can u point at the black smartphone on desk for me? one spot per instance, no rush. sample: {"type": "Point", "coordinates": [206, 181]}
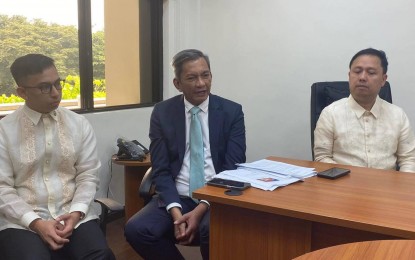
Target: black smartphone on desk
{"type": "Point", "coordinates": [333, 173]}
{"type": "Point", "coordinates": [229, 184]}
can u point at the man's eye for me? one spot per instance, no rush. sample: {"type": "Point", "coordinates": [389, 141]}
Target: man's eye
{"type": "Point", "coordinates": [45, 87]}
{"type": "Point", "coordinates": [58, 84]}
{"type": "Point", "coordinates": [206, 75]}
{"type": "Point", "coordinates": [191, 78]}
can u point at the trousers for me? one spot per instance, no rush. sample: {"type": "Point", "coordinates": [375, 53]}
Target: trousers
{"type": "Point", "coordinates": [87, 242]}
{"type": "Point", "coordinates": [151, 232]}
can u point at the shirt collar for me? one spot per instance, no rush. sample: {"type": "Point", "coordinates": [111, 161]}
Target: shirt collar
{"type": "Point", "coordinates": [35, 116]}
{"type": "Point", "coordinates": [360, 111]}
{"type": "Point", "coordinates": [203, 106]}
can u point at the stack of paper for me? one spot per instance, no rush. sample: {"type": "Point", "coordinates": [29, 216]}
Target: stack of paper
{"type": "Point", "coordinates": [267, 175]}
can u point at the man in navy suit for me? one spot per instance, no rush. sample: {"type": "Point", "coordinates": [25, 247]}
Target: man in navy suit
{"type": "Point", "coordinates": [172, 216]}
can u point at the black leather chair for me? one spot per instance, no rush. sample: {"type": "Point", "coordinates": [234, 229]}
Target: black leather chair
{"type": "Point", "coordinates": [325, 93]}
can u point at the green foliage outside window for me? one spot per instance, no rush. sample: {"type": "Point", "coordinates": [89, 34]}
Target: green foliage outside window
{"type": "Point", "coordinates": [18, 37]}
{"type": "Point", "coordinates": [70, 90]}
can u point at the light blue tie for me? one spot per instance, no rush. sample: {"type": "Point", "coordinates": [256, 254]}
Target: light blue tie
{"type": "Point", "coordinates": [197, 159]}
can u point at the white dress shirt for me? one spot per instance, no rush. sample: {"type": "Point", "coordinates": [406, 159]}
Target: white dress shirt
{"type": "Point", "coordinates": [49, 166]}
{"type": "Point", "coordinates": [380, 138]}
{"type": "Point", "coordinates": [182, 180]}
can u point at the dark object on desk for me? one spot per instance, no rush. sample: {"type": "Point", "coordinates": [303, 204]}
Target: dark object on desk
{"type": "Point", "coordinates": [233, 185]}
{"type": "Point", "coordinates": [131, 150]}
{"type": "Point", "coordinates": [233, 192]}
{"type": "Point", "coordinates": [333, 173]}
{"type": "Point", "coordinates": [325, 93]}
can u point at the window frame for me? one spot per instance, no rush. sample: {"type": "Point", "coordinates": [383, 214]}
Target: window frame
{"type": "Point", "coordinates": [151, 36]}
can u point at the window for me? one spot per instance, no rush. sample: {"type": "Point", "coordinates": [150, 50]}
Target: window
{"type": "Point", "coordinates": [108, 52]}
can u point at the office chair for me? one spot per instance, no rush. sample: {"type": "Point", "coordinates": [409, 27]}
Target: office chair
{"type": "Point", "coordinates": [146, 189]}
{"type": "Point", "coordinates": [325, 93]}
{"type": "Point", "coordinates": [110, 210]}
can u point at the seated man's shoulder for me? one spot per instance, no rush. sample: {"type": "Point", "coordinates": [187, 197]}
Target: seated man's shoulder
{"type": "Point", "coordinates": [66, 111]}
{"type": "Point", "coordinates": [223, 101]}
{"type": "Point", "coordinates": [69, 114]}
{"type": "Point", "coordinates": [337, 104]}
{"type": "Point", "coordinates": [173, 101]}
{"type": "Point", "coordinates": [392, 108]}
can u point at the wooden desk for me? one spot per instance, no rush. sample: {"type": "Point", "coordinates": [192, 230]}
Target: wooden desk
{"type": "Point", "coordinates": [368, 250]}
{"type": "Point", "coordinates": [368, 204]}
{"type": "Point", "coordinates": [133, 174]}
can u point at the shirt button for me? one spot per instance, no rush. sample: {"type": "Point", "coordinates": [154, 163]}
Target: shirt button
{"type": "Point", "coordinates": [47, 161]}
{"type": "Point", "coordinates": [48, 143]}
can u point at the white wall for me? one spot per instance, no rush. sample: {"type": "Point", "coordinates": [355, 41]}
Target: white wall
{"type": "Point", "coordinates": [265, 54]}
{"type": "Point", "coordinates": [108, 126]}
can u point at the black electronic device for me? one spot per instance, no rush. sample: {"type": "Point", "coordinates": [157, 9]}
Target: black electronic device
{"type": "Point", "coordinates": [229, 184]}
{"type": "Point", "coordinates": [131, 150]}
{"type": "Point", "coordinates": [333, 173]}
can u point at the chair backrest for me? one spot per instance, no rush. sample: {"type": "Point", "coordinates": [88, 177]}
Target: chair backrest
{"type": "Point", "coordinates": [146, 189]}
{"type": "Point", "coordinates": [325, 93]}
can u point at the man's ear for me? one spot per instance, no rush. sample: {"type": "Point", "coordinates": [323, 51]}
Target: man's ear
{"type": "Point", "coordinates": [21, 92]}
{"type": "Point", "coordinates": [385, 77]}
{"type": "Point", "coordinates": [176, 83]}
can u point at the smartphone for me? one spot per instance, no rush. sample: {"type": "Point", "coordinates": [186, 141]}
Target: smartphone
{"type": "Point", "coordinates": [333, 173]}
{"type": "Point", "coordinates": [229, 184]}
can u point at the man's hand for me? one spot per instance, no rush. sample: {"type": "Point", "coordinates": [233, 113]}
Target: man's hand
{"type": "Point", "coordinates": [186, 226]}
{"type": "Point", "coordinates": [47, 230]}
{"type": "Point", "coordinates": [69, 222]}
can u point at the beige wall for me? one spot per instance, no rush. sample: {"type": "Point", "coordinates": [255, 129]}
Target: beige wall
{"type": "Point", "coordinates": [122, 52]}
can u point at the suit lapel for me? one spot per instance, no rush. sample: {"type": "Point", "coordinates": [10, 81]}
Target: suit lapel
{"type": "Point", "coordinates": [180, 127]}
{"type": "Point", "coordinates": [215, 126]}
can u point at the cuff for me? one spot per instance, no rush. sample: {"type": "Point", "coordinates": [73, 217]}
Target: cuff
{"type": "Point", "coordinates": [83, 208]}
{"type": "Point", "coordinates": [29, 218]}
{"type": "Point", "coordinates": [172, 205]}
{"type": "Point", "coordinates": [205, 202]}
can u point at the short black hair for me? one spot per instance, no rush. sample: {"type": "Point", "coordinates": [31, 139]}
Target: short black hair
{"type": "Point", "coordinates": [30, 64]}
{"type": "Point", "coordinates": [186, 55]}
{"type": "Point", "coordinates": [370, 51]}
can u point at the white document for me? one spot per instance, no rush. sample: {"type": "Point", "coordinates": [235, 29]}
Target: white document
{"type": "Point", "coordinates": [280, 168]}
{"type": "Point", "coordinates": [267, 175]}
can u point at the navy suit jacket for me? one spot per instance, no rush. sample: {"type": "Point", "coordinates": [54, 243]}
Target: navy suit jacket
{"type": "Point", "coordinates": [168, 140]}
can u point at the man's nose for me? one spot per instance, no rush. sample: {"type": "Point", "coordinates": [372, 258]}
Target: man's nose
{"type": "Point", "coordinates": [363, 76]}
{"type": "Point", "coordinates": [199, 81]}
{"type": "Point", "coordinates": [54, 92]}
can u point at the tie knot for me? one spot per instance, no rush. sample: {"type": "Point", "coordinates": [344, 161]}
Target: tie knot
{"type": "Point", "coordinates": [195, 110]}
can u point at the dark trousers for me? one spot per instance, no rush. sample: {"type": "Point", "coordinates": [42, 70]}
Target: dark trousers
{"type": "Point", "coordinates": [86, 242]}
{"type": "Point", "coordinates": [151, 232]}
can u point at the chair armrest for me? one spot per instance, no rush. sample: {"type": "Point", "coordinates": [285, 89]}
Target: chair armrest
{"type": "Point", "coordinates": [146, 189]}
{"type": "Point", "coordinates": [109, 204]}
{"type": "Point", "coordinates": [110, 211]}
